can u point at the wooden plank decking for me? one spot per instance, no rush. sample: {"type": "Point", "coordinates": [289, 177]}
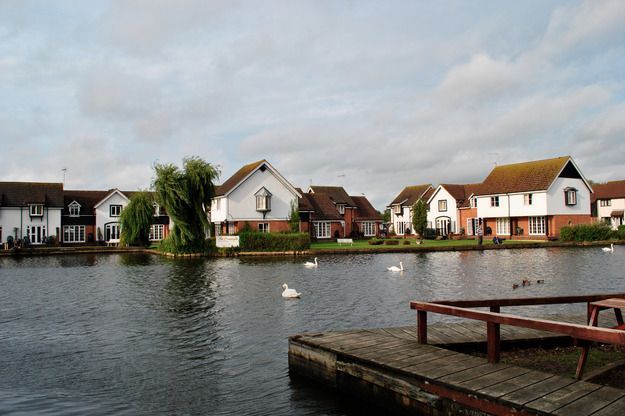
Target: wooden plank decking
{"type": "Point", "coordinates": [389, 367]}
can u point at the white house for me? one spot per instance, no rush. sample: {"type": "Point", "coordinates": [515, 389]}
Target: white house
{"type": "Point", "coordinates": [107, 213]}
{"type": "Point", "coordinates": [444, 208]}
{"type": "Point", "coordinates": [608, 202]}
{"type": "Point", "coordinates": [534, 199]}
{"type": "Point", "coordinates": [401, 207]}
{"type": "Point", "coordinates": [257, 195]}
{"type": "Point", "coordinates": [30, 210]}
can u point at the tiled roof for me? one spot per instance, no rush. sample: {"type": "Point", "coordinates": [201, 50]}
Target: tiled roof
{"type": "Point", "coordinates": [304, 203]}
{"type": "Point", "coordinates": [20, 194]}
{"type": "Point", "coordinates": [364, 210]}
{"type": "Point", "coordinates": [469, 190]}
{"type": "Point", "coordinates": [86, 199]}
{"type": "Point", "coordinates": [608, 190]}
{"type": "Point", "coordinates": [336, 193]}
{"type": "Point", "coordinates": [411, 194]}
{"type": "Point", "coordinates": [235, 179]}
{"type": "Point", "coordinates": [461, 193]}
{"type": "Point", "coordinates": [323, 207]}
{"type": "Point", "coordinates": [528, 176]}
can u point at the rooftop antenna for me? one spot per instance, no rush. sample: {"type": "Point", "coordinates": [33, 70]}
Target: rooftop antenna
{"type": "Point", "coordinates": [496, 155]}
{"type": "Point", "coordinates": [341, 176]}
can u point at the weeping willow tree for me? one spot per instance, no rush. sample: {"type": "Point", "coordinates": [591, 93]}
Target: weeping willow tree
{"type": "Point", "coordinates": [136, 219]}
{"type": "Point", "coordinates": [186, 194]}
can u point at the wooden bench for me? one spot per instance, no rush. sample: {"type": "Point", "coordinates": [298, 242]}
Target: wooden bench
{"type": "Point", "coordinates": [113, 242]}
{"type": "Point", "coordinates": [345, 241]}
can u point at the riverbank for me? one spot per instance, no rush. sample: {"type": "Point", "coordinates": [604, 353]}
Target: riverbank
{"type": "Point", "coordinates": [433, 246]}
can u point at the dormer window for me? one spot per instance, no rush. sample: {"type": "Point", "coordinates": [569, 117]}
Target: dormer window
{"type": "Point", "coordinates": [263, 200]}
{"type": "Point", "coordinates": [397, 209]}
{"type": "Point", "coordinates": [36, 210]}
{"type": "Point", "coordinates": [473, 202]}
{"type": "Point", "coordinates": [341, 209]}
{"type": "Point", "coordinates": [570, 196]}
{"type": "Point", "coordinates": [74, 209]}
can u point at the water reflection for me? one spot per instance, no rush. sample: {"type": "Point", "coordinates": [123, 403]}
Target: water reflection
{"type": "Point", "coordinates": [140, 333]}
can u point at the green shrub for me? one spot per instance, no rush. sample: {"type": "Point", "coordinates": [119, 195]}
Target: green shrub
{"type": "Point", "coordinates": [376, 241]}
{"type": "Point", "coordinates": [207, 246]}
{"type": "Point", "coordinates": [584, 232]}
{"type": "Point", "coordinates": [259, 241]}
{"type": "Point", "coordinates": [620, 233]}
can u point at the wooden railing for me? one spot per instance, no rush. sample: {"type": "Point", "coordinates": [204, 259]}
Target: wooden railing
{"type": "Point", "coordinates": [494, 319]}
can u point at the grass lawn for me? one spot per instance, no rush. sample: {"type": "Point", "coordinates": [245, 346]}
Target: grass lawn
{"type": "Point", "coordinates": [359, 244]}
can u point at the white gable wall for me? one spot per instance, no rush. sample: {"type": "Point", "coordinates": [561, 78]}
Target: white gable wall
{"type": "Point", "coordinates": [241, 205]}
{"type": "Point", "coordinates": [556, 202]}
{"type": "Point", "coordinates": [102, 210]}
{"type": "Point", "coordinates": [451, 212]}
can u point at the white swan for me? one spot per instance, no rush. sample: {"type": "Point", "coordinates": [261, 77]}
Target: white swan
{"type": "Point", "coordinates": [397, 269]}
{"type": "Point", "coordinates": [310, 264]}
{"type": "Point", "coordinates": [611, 248]}
{"type": "Point", "coordinates": [289, 293]}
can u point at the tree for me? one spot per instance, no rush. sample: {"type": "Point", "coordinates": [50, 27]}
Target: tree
{"type": "Point", "coordinates": [386, 216]}
{"type": "Point", "coordinates": [294, 218]}
{"type": "Point", "coordinates": [419, 217]}
{"type": "Point", "coordinates": [186, 195]}
{"type": "Point", "coordinates": [136, 219]}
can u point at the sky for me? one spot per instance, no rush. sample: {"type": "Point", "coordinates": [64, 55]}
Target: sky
{"type": "Point", "coordinates": [373, 96]}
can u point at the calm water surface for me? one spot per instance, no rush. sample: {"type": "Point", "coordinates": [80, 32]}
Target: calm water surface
{"type": "Point", "coordinates": [140, 334]}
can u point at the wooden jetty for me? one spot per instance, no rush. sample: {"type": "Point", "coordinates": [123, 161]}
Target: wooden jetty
{"type": "Point", "coordinates": [389, 367]}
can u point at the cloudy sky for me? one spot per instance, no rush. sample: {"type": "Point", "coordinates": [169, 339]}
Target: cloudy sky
{"type": "Point", "coordinates": [371, 95]}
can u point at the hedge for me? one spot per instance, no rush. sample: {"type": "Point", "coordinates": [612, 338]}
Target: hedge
{"type": "Point", "coordinates": [585, 232]}
{"type": "Point", "coordinates": [259, 241]}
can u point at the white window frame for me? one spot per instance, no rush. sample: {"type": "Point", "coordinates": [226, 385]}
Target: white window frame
{"type": "Point", "coordinates": [537, 225]}
{"type": "Point", "coordinates": [368, 228]}
{"type": "Point", "coordinates": [341, 208]}
{"type": "Point", "coordinates": [157, 232]}
{"type": "Point", "coordinates": [473, 202]}
{"type": "Point", "coordinates": [570, 195]}
{"type": "Point", "coordinates": [323, 229]}
{"type": "Point", "coordinates": [115, 231]}
{"type": "Point", "coordinates": [503, 226]}
{"type": "Point", "coordinates": [115, 210]}
{"type": "Point", "coordinates": [528, 199]}
{"type": "Point", "coordinates": [36, 210]}
{"type": "Point", "coordinates": [263, 227]}
{"type": "Point", "coordinates": [74, 209]}
{"type": "Point", "coordinates": [73, 233]}
{"type": "Point", "coordinates": [36, 233]}
{"type": "Point", "coordinates": [605, 202]}
{"type": "Point", "coordinates": [494, 201]}
{"type": "Point", "coordinates": [442, 205]}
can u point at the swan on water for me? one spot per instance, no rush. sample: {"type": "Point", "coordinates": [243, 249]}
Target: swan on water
{"type": "Point", "coordinates": [397, 269]}
{"type": "Point", "coordinates": [289, 293]}
{"type": "Point", "coordinates": [310, 264]}
{"type": "Point", "coordinates": [611, 248]}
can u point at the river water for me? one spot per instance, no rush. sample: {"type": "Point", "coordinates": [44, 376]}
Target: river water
{"type": "Point", "coordinates": [142, 334]}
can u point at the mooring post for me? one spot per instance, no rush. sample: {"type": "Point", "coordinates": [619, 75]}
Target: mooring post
{"type": "Point", "coordinates": [422, 327]}
{"type": "Point", "coordinates": [493, 338]}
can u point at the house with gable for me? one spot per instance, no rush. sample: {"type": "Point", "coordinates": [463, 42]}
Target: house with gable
{"type": "Point", "coordinates": [533, 200]}
{"type": "Point", "coordinates": [92, 216]}
{"type": "Point", "coordinates": [319, 216]}
{"type": "Point", "coordinates": [257, 194]}
{"type": "Point", "coordinates": [357, 216]}
{"type": "Point", "coordinates": [445, 203]}
{"type": "Point", "coordinates": [467, 210]}
{"type": "Point", "coordinates": [401, 207]}
{"type": "Point", "coordinates": [30, 210]}
{"type": "Point", "coordinates": [608, 203]}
